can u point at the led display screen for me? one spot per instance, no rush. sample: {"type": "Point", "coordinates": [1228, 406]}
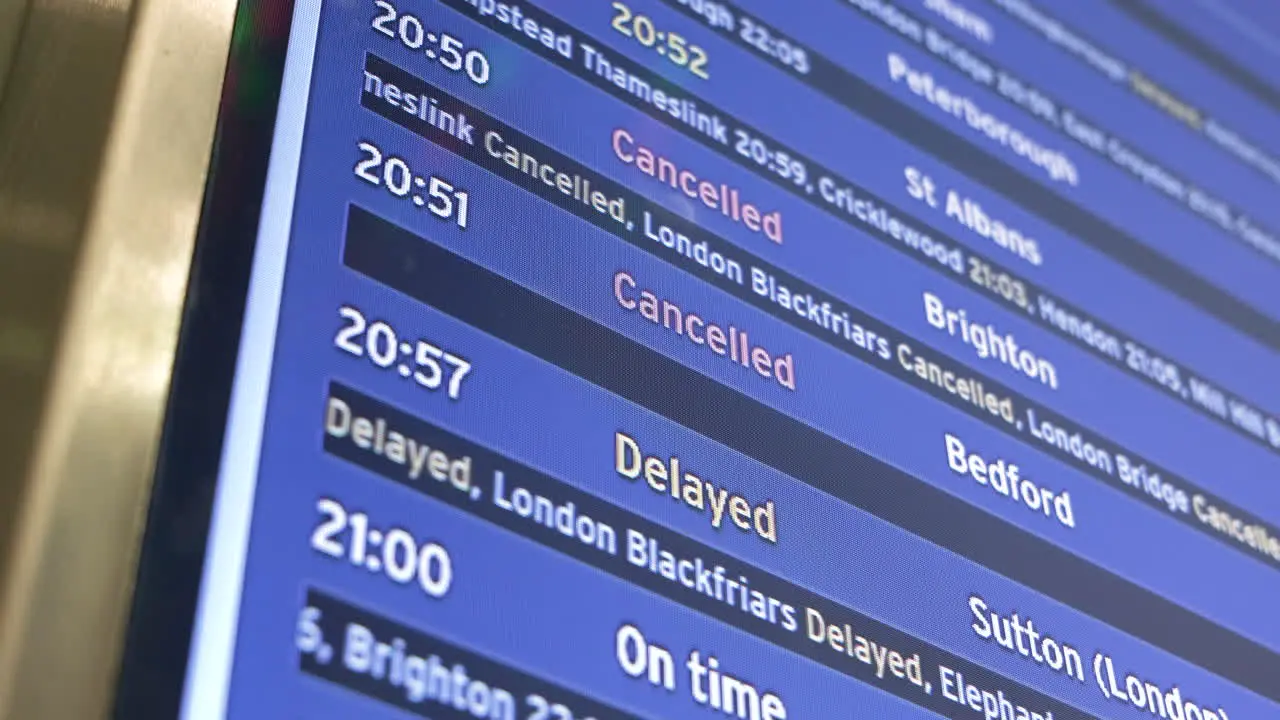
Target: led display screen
{"type": "Point", "coordinates": [759, 360]}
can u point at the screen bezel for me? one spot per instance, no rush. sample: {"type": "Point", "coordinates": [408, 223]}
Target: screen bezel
{"type": "Point", "coordinates": [160, 630]}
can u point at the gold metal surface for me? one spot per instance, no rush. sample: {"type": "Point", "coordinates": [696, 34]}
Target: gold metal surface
{"type": "Point", "coordinates": [12, 13]}
{"type": "Point", "coordinates": [106, 121]}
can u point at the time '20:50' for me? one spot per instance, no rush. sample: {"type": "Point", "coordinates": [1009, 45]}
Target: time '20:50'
{"type": "Point", "coordinates": [442, 47]}
{"type": "Point", "coordinates": [393, 173]}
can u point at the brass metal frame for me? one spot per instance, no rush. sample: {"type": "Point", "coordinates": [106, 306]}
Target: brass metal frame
{"type": "Point", "coordinates": [12, 13]}
{"type": "Point", "coordinates": [106, 124]}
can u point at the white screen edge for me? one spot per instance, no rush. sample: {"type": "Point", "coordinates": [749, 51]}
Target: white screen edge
{"type": "Point", "coordinates": [213, 635]}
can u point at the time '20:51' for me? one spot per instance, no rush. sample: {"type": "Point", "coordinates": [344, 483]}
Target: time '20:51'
{"type": "Point", "coordinates": [424, 191]}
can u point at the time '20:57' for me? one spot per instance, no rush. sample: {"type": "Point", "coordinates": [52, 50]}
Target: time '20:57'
{"type": "Point", "coordinates": [400, 179]}
{"type": "Point", "coordinates": [423, 361]}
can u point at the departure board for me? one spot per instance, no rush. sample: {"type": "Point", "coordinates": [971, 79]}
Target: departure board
{"type": "Point", "coordinates": [758, 360]}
